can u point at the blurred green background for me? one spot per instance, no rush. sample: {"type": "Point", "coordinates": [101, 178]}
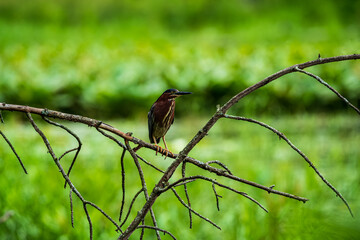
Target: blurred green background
{"type": "Point", "coordinates": [113, 58]}
{"type": "Point", "coordinates": [110, 60]}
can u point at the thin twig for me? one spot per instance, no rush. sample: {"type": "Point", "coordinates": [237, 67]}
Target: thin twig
{"type": "Point", "coordinates": [217, 196]}
{"type": "Point", "coordinates": [150, 164]}
{"type": "Point", "coordinates": [42, 135]}
{"type": "Point", "coordinates": [103, 213]}
{"type": "Point", "coordinates": [221, 164]}
{"type": "Point", "coordinates": [281, 135]}
{"type": "Point", "coordinates": [89, 220]}
{"type": "Point", "coordinates": [217, 183]}
{"type": "Point", "coordinates": [71, 208]}
{"type": "Point", "coordinates": [184, 183]}
{"type": "Point", "coordinates": [122, 183]}
{"type": "Point", "coordinates": [130, 207]}
{"type": "Point", "coordinates": [13, 149]}
{"type": "Point", "coordinates": [142, 230]}
{"type": "Point", "coordinates": [158, 229]}
{"type": "Point", "coordinates": [193, 211]}
{"type": "Point", "coordinates": [186, 192]}
{"type": "Point", "coordinates": [111, 137]}
{"type": "Point", "coordinates": [1, 117]}
{"type": "Point", "coordinates": [67, 152]}
{"type": "Point", "coordinates": [72, 134]}
{"type": "Point", "coordinates": [329, 87]}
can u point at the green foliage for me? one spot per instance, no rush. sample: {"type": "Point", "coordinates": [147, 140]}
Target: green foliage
{"type": "Point", "coordinates": [42, 210]}
{"type": "Point", "coordinates": [114, 58]}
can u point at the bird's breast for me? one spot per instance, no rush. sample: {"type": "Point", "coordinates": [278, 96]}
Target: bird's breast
{"type": "Point", "coordinates": [164, 112]}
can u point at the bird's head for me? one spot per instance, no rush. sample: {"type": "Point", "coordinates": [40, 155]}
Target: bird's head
{"type": "Point", "coordinates": [173, 93]}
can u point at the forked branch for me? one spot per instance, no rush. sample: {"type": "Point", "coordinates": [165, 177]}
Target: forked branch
{"type": "Point", "coordinates": [282, 136]}
{"type": "Point", "coordinates": [13, 149]}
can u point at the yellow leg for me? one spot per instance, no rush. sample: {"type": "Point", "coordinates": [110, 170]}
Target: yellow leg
{"type": "Point", "coordinates": [166, 149]}
{"type": "Point", "coordinates": [163, 138]}
{"type": "Point", "coordinates": [158, 148]}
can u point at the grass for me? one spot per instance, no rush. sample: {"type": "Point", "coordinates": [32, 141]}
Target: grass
{"type": "Point", "coordinates": [41, 205]}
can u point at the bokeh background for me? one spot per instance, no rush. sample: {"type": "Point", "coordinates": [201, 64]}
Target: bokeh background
{"type": "Point", "coordinates": [110, 60]}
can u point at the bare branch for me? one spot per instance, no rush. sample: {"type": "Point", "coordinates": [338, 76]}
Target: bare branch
{"type": "Point", "coordinates": [71, 208]}
{"type": "Point", "coordinates": [184, 183]}
{"type": "Point", "coordinates": [42, 135]}
{"type": "Point", "coordinates": [283, 72]}
{"type": "Point", "coordinates": [143, 183]}
{"type": "Point", "coordinates": [46, 141]}
{"type": "Point", "coordinates": [158, 229]}
{"type": "Point", "coordinates": [183, 169]}
{"type": "Point", "coordinates": [48, 146]}
{"type": "Point", "coordinates": [13, 149]}
{"type": "Point", "coordinates": [214, 182]}
{"type": "Point", "coordinates": [103, 213]}
{"type": "Point", "coordinates": [196, 213]}
{"type": "Point", "coordinates": [217, 196]}
{"type": "Point", "coordinates": [135, 157]}
{"type": "Point", "coordinates": [150, 164]}
{"type": "Point", "coordinates": [142, 230]}
{"type": "Point", "coordinates": [221, 164]}
{"type": "Point", "coordinates": [329, 87]}
{"type": "Point", "coordinates": [77, 148]}
{"type": "Point", "coordinates": [67, 152]}
{"type": "Point", "coordinates": [224, 173]}
{"type": "Point", "coordinates": [89, 220]}
{"type": "Point", "coordinates": [123, 146]}
{"type": "Point", "coordinates": [130, 207]}
{"type": "Point", "coordinates": [112, 138]}
{"type": "Point", "coordinates": [122, 183]}
{"type": "Point", "coordinates": [281, 135]}
{"type": "Point", "coordinates": [1, 117]}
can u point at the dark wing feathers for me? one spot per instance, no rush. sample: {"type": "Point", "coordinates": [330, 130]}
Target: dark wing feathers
{"type": "Point", "coordinates": [151, 123]}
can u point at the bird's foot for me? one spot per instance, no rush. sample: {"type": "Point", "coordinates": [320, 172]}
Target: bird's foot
{"type": "Point", "coordinates": [166, 152]}
{"type": "Point", "coordinates": [163, 151]}
{"type": "Point", "coordinates": [158, 149]}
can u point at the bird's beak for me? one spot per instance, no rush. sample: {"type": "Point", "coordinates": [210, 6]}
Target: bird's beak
{"type": "Point", "coordinates": [176, 94]}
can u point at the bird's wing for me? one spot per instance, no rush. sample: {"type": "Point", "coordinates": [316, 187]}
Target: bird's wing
{"type": "Point", "coordinates": [172, 113]}
{"type": "Point", "coordinates": [172, 121]}
{"type": "Point", "coordinates": [151, 123]}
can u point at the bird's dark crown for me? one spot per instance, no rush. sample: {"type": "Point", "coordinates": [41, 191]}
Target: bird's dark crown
{"type": "Point", "coordinates": [171, 90]}
{"type": "Point", "coordinates": [172, 93]}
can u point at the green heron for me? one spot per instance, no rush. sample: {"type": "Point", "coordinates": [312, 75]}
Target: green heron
{"type": "Point", "coordinates": [161, 116]}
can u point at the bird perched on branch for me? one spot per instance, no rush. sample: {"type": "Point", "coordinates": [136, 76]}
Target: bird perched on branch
{"type": "Point", "coordinates": [161, 117]}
